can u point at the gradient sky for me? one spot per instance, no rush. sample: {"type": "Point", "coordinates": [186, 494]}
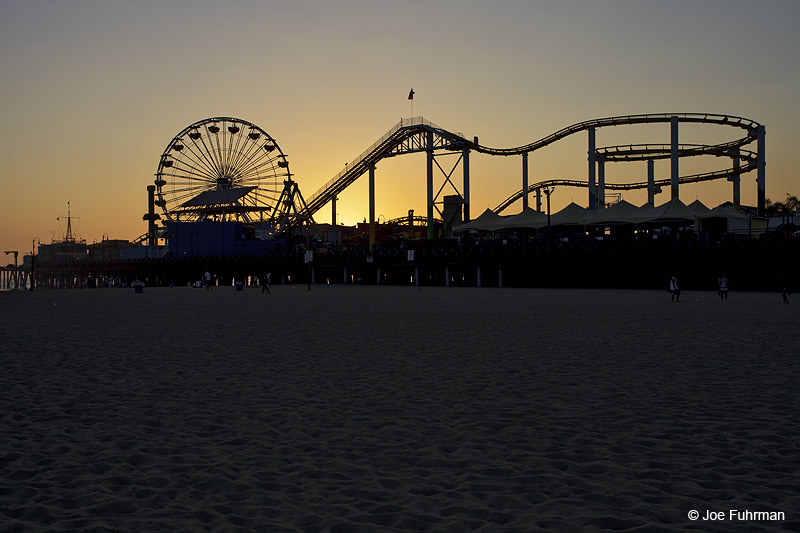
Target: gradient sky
{"type": "Point", "coordinates": [93, 91]}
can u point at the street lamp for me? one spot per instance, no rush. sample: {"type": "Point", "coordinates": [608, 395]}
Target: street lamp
{"type": "Point", "coordinates": [548, 191]}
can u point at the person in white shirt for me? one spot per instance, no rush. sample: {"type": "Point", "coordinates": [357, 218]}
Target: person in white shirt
{"type": "Point", "coordinates": [674, 290]}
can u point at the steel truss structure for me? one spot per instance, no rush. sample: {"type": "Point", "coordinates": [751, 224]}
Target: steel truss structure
{"type": "Point", "coordinates": [417, 135]}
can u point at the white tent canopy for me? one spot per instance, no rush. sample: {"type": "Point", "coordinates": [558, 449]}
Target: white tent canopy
{"type": "Point", "coordinates": [674, 210]}
{"type": "Point", "coordinates": [620, 213]}
{"type": "Point", "coordinates": [488, 221]}
{"type": "Point", "coordinates": [528, 218]}
{"type": "Point", "coordinates": [699, 207]}
{"type": "Point", "coordinates": [572, 214]}
{"type": "Point", "coordinates": [725, 211]}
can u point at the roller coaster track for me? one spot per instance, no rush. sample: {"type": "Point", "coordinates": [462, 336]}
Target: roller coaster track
{"type": "Point", "coordinates": [641, 152]}
{"type": "Point", "coordinates": [694, 178]}
{"type": "Point", "coordinates": [408, 136]}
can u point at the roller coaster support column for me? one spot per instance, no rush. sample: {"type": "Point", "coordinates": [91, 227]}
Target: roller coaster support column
{"type": "Point", "coordinates": [430, 185]}
{"type": "Point", "coordinates": [333, 221]}
{"type": "Point", "coordinates": [371, 207]}
{"type": "Point", "coordinates": [651, 182]}
{"type": "Point", "coordinates": [539, 200]}
{"type": "Point", "coordinates": [736, 179]}
{"type": "Point", "coordinates": [761, 178]}
{"type": "Point", "coordinates": [673, 153]}
{"type": "Point", "coordinates": [601, 184]}
{"type": "Point", "coordinates": [592, 191]}
{"type": "Point", "coordinates": [524, 180]}
{"type": "Point", "coordinates": [465, 163]}
{"type": "Point", "coordinates": [548, 191]}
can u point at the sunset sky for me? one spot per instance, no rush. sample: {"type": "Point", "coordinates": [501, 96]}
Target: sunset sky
{"type": "Point", "coordinates": [93, 91]}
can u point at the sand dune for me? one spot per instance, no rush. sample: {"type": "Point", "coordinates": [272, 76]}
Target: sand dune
{"type": "Point", "coordinates": [393, 409]}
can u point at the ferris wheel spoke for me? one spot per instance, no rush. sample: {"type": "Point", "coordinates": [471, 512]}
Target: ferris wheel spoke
{"type": "Point", "coordinates": [256, 159]}
{"type": "Point", "coordinates": [265, 171]}
{"type": "Point", "coordinates": [190, 174]}
{"type": "Point", "coordinates": [200, 172]}
{"type": "Point", "coordinates": [186, 174]}
{"type": "Point", "coordinates": [219, 152]}
{"type": "Point", "coordinates": [260, 163]}
{"type": "Point", "coordinates": [262, 174]}
{"type": "Point", "coordinates": [214, 140]}
{"type": "Point", "coordinates": [191, 186]}
{"type": "Point", "coordinates": [224, 152]}
{"type": "Point", "coordinates": [232, 151]}
{"type": "Point", "coordinates": [210, 155]}
{"type": "Point", "coordinates": [243, 146]}
{"type": "Point", "coordinates": [189, 192]}
{"type": "Point", "coordinates": [255, 184]}
{"type": "Point", "coordinates": [263, 159]}
{"type": "Point", "coordinates": [192, 191]}
{"type": "Point", "coordinates": [178, 200]}
{"type": "Point", "coordinates": [193, 183]}
{"type": "Point", "coordinates": [244, 155]}
{"type": "Point", "coordinates": [187, 187]}
{"type": "Point", "coordinates": [258, 177]}
{"type": "Point", "coordinates": [200, 160]}
{"type": "Point", "coordinates": [263, 197]}
{"type": "Point", "coordinates": [202, 152]}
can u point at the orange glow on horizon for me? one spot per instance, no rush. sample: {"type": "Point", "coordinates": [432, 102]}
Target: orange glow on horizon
{"type": "Point", "coordinates": [93, 95]}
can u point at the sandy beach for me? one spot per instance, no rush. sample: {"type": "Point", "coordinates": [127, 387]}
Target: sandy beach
{"type": "Point", "coordinates": [353, 408]}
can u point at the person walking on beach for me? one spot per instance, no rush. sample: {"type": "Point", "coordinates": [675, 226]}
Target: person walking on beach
{"type": "Point", "coordinates": [207, 280]}
{"type": "Point", "coordinates": [722, 287]}
{"type": "Point", "coordinates": [265, 283]}
{"type": "Point", "coordinates": [784, 290]}
{"type": "Point", "coordinates": [674, 290]}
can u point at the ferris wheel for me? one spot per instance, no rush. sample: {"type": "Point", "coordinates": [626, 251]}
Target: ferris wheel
{"type": "Point", "coordinates": [220, 167]}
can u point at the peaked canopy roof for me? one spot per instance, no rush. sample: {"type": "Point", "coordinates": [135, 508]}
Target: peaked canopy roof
{"type": "Point", "coordinates": [488, 221]}
{"type": "Point", "coordinates": [528, 218]}
{"type": "Point", "coordinates": [673, 210]}
{"type": "Point", "coordinates": [571, 214]}
{"type": "Point", "coordinates": [620, 213]}
{"type": "Point", "coordinates": [725, 211]}
{"type": "Point", "coordinates": [218, 197]}
{"type": "Point", "coordinates": [699, 207]}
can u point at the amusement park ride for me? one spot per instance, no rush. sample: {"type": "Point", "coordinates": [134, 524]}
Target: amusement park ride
{"type": "Point", "coordinates": [225, 169]}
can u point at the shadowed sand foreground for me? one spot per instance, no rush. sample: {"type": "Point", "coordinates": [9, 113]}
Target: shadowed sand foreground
{"type": "Point", "coordinates": [393, 409]}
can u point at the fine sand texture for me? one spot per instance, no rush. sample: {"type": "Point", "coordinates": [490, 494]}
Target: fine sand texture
{"type": "Point", "coordinates": [352, 408]}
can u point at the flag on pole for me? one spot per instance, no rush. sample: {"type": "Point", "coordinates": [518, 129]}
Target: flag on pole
{"type": "Point", "coordinates": [411, 94]}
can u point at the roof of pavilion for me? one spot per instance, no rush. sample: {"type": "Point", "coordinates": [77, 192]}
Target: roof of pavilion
{"type": "Point", "coordinates": [621, 212]}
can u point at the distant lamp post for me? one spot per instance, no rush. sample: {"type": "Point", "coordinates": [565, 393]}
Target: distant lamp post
{"type": "Point", "coordinates": [33, 261]}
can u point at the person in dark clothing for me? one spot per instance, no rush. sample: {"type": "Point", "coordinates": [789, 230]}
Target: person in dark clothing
{"type": "Point", "coordinates": [265, 282]}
